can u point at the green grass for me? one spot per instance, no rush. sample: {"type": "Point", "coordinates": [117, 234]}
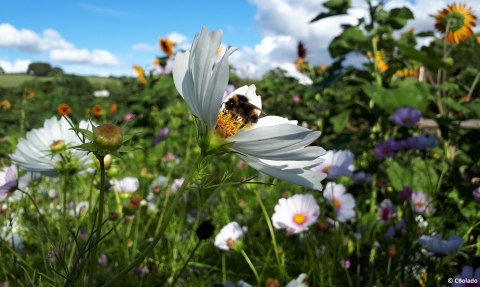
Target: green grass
{"type": "Point", "coordinates": [15, 80]}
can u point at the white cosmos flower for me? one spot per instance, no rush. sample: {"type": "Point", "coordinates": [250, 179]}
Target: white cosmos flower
{"type": "Point", "coordinates": [344, 203]}
{"type": "Point", "coordinates": [337, 163]}
{"type": "Point", "coordinates": [299, 282]}
{"type": "Point", "coordinates": [35, 154]}
{"type": "Point", "coordinates": [296, 213]}
{"type": "Point", "coordinates": [274, 145]}
{"type": "Point", "coordinates": [101, 93]}
{"type": "Point", "coordinates": [229, 236]}
{"type": "Point", "coordinates": [126, 185]}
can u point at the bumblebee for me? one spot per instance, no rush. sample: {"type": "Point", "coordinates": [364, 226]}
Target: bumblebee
{"type": "Point", "coordinates": [238, 113]}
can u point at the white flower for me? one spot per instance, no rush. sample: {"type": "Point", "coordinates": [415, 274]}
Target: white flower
{"type": "Point", "coordinates": [273, 145]}
{"type": "Point", "coordinates": [35, 152]}
{"type": "Point", "coordinates": [437, 245]}
{"type": "Point", "coordinates": [337, 163]}
{"type": "Point", "coordinates": [344, 203]}
{"type": "Point", "coordinates": [28, 179]}
{"type": "Point", "coordinates": [229, 236]}
{"type": "Point", "coordinates": [101, 93]}
{"type": "Point", "coordinates": [80, 209]}
{"type": "Point", "coordinates": [8, 181]}
{"type": "Point", "coordinates": [126, 185]}
{"type": "Point", "coordinates": [11, 232]}
{"type": "Point", "coordinates": [296, 213]}
{"type": "Point", "coordinates": [299, 282]}
{"type": "Point", "coordinates": [240, 283]}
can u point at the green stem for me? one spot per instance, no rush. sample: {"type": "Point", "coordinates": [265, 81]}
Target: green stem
{"type": "Point", "coordinates": [36, 207]}
{"type": "Point", "coordinates": [101, 199]}
{"type": "Point", "coordinates": [224, 269]}
{"type": "Point", "coordinates": [378, 78]}
{"type": "Point", "coordinates": [251, 266]}
{"type": "Point", "coordinates": [186, 263]}
{"type": "Point", "coordinates": [281, 268]}
{"type": "Point", "coordinates": [159, 235]}
{"type": "Point", "coordinates": [472, 87]}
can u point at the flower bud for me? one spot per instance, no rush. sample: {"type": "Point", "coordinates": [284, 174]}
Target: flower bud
{"type": "Point", "coordinates": [57, 146]}
{"type": "Point", "coordinates": [107, 137]}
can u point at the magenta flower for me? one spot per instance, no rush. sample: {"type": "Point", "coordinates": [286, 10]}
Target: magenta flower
{"type": "Point", "coordinates": [296, 99]}
{"type": "Point", "coordinates": [422, 202]}
{"type": "Point", "coordinates": [345, 264]}
{"type": "Point", "coordinates": [467, 278]}
{"type": "Point", "coordinates": [386, 211]}
{"type": "Point", "coordinates": [162, 134]}
{"type": "Point", "coordinates": [8, 181]}
{"type": "Point", "coordinates": [406, 117]}
{"type": "Point", "coordinates": [128, 117]}
{"type": "Point", "coordinates": [386, 149]}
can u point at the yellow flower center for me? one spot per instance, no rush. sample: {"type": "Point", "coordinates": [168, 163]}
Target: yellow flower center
{"type": "Point", "coordinates": [336, 203]}
{"type": "Point", "coordinates": [327, 169]}
{"type": "Point", "coordinates": [299, 218]}
{"type": "Point", "coordinates": [230, 243]}
{"type": "Point", "coordinates": [419, 204]}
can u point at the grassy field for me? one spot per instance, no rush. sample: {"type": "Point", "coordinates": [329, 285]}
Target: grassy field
{"type": "Point", "coordinates": [13, 80]}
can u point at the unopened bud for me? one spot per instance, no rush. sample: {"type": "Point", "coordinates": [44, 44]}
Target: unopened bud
{"type": "Point", "coordinates": [57, 146]}
{"type": "Point", "coordinates": [107, 137]}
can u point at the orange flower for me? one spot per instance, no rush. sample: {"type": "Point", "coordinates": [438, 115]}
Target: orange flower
{"type": "Point", "coordinates": [64, 109]}
{"type": "Point", "coordinates": [97, 110]}
{"type": "Point", "coordinates": [459, 19]}
{"type": "Point", "coordinates": [413, 73]}
{"type": "Point", "coordinates": [29, 92]}
{"type": "Point", "coordinates": [322, 68]}
{"type": "Point", "coordinates": [141, 75]}
{"type": "Point", "coordinates": [113, 110]}
{"type": "Point", "coordinates": [410, 31]}
{"type": "Point", "coordinates": [478, 40]}
{"type": "Point", "coordinates": [5, 105]}
{"type": "Point", "coordinates": [298, 63]}
{"type": "Point", "coordinates": [382, 66]}
{"type": "Point", "coordinates": [167, 46]}
{"type": "Point", "coordinates": [156, 62]}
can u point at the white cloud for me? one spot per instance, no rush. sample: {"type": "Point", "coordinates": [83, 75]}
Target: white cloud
{"type": "Point", "coordinates": [84, 56]}
{"type": "Point", "coordinates": [29, 41]}
{"type": "Point", "coordinates": [19, 66]}
{"type": "Point", "coordinates": [144, 47]}
{"type": "Point", "coordinates": [180, 40]}
{"type": "Point", "coordinates": [59, 49]}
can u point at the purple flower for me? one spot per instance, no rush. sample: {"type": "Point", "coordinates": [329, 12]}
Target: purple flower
{"type": "Point", "coordinates": [426, 141]}
{"type": "Point", "coordinates": [394, 230]}
{"type": "Point", "coordinates": [296, 99]}
{"type": "Point", "coordinates": [386, 149]}
{"type": "Point", "coordinates": [128, 117]}
{"type": "Point", "coordinates": [337, 163]}
{"type": "Point", "coordinates": [140, 271]}
{"type": "Point", "coordinates": [422, 202]}
{"type": "Point", "coordinates": [345, 264]}
{"type": "Point", "coordinates": [406, 193]}
{"type": "Point", "coordinates": [386, 211]}
{"type": "Point", "coordinates": [8, 181]}
{"type": "Point", "coordinates": [102, 260]}
{"type": "Point", "coordinates": [164, 70]}
{"type": "Point", "coordinates": [361, 177]}
{"type": "Point", "coordinates": [476, 194]}
{"type": "Point", "coordinates": [410, 143]}
{"type": "Point", "coordinates": [436, 245]}
{"type": "Point", "coordinates": [162, 134]}
{"type": "Point", "coordinates": [467, 278]}
{"type": "Point", "coordinates": [406, 117]}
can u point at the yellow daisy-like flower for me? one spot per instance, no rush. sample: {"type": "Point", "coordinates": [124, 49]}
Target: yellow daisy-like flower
{"type": "Point", "coordinates": [5, 105]}
{"type": "Point", "coordinates": [298, 63]}
{"type": "Point", "coordinates": [478, 40]}
{"type": "Point", "coordinates": [382, 66]}
{"type": "Point", "coordinates": [167, 46]}
{"type": "Point", "coordinates": [459, 19]}
{"type": "Point", "coordinates": [141, 75]}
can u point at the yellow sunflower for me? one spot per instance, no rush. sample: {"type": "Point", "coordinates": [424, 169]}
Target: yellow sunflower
{"type": "Point", "coordinates": [459, 20]}
{"type": "Point", "coordinates": [5, 105]}
{"type": "Point", "coordinates": [141, 75]}
{"type": "Point", "coordinates": [167, 46]}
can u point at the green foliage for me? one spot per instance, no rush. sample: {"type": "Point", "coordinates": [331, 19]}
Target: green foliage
{"type": "Point", "coordinates": [39, 69]}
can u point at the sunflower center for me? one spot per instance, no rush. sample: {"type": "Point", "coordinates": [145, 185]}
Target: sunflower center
{"type": "Point", "coordinates": [455, 21]}
{"type": "Point", "coordinates": [336, 203]}
{"type": "Point", "coordinates": [299, 218]}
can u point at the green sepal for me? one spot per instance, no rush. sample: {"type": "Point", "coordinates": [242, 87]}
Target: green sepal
{"type": "Point", "coordinates": [128, 149]}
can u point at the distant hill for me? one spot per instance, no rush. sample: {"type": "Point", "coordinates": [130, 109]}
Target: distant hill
{"type": "Point", "coordinates": [14, 80]}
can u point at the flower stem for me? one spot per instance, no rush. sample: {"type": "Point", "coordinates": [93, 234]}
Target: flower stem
{"type": "Point", "coordinates": [101, 199]}
{"type": "Point", "coordinates": [159, 235]}
{"type": "Point", "coordinates": [281, 268]}
{"type": "Point", "coordinates": [224, 269]}
{"type": "Point", "coordinates": [36, 207]}
{"type": "Point", "coordinates": [251, 266]}
{"type": "Point", "coordinates": [186, 263]}
{"type": "Point", "coordinates": [378, 78]}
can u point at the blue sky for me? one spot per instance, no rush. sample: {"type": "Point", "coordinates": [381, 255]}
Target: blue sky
{"type": "Point", "coordinates": [105, 37]}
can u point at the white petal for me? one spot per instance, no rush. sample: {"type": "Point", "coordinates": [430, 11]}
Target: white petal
{"type": "Point", "coordinates": [298, 176]}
